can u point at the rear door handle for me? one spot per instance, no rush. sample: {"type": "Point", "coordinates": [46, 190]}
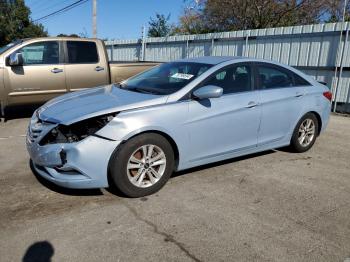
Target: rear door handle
{"type": "Point", "coordinates": [56, 70]}
{"type": "Point", "coordinates": [99, 68]}
{"type": "Point", "coordinates": [252, 104]}
{"type": "Point", "coordinates": [299, 94]}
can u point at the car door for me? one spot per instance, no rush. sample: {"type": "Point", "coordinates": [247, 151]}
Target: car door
{"type": "Point", "coordinates": [85, 66]}
{"type": "Point", "coordinates": [41, 76]}
{"type": "Point", "coordinates": [220, 127]}
{"type": "Point", "coordinates": [281, 102]}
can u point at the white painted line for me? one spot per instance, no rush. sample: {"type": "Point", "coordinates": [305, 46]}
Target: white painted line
{"type": "Point", "coordinates": [9, 137]}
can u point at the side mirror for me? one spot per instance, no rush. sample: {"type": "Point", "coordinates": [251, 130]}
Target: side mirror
{"type": "Point", "coordinates": [16, 59]}
{"type": "Point", "coordinates": [209, 91]}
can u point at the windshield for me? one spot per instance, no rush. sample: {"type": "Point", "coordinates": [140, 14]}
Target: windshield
{"type": "Point", "coordinates": [166, 78]}
{"type": "Point", "coordinates": [8, 46]}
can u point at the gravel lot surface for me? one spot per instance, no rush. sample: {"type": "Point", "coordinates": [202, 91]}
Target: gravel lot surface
{"type": "Point", "coordinates": [273, 206]}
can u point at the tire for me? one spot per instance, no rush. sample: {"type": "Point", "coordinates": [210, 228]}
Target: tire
{"type": "Point", "coordinates": [298, 144]}
{"type": "Point", "coordinates": [136, 176]}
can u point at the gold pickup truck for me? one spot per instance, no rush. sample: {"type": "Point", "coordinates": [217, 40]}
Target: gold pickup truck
{"type": "Point", "coordinates": [35, 70]}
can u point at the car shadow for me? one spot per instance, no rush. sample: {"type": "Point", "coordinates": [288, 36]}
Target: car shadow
{"type": "Point", "coordinates": [113, 190]}
{"type": "Point", "coordinates": [62, 190]}
{"type": "Point", "coordinates": [223, 162]}
{"type": "Point", "coordinates": [17, 112]}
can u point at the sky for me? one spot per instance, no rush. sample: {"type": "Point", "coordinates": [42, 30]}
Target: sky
{"type": "Point", "coordinates": [116, 19]}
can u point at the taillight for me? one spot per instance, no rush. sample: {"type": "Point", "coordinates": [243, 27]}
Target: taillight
{"type": "Point", "coordinates": [328, 95]}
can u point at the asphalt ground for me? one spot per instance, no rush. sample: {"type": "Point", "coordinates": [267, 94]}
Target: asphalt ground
{"type": "Point", "coordinates": [272, 206]}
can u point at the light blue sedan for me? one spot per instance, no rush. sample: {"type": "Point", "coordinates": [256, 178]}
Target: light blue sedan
{"type": "Point", "coordinates": [178, 115]}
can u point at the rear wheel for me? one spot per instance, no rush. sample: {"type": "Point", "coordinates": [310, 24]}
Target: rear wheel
{"type": "Point", "coordinates": [142, 165]}
{"type": "Point", "coordinates": [305, 133]}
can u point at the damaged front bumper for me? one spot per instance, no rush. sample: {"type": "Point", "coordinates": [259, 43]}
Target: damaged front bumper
{"type": "Point", "coordinates": [82, 164]}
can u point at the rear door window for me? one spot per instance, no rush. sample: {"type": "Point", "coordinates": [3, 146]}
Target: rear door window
{"type": "Point", "coordinates": [271, 77]}
{"type": "Point", "coordinates": [82, 52]}
{"type": "Point", "coordinates": [299, 81]}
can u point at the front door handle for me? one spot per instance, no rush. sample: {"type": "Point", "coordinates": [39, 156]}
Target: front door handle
{"type": "Point", "coordinates": [299, 94]}
{"type": "Point", "coordinates": [56, 70]}
{"type": "Point", "coordinates": [252, 104]}
{"type": "Point", "coordinates": [99, 68]}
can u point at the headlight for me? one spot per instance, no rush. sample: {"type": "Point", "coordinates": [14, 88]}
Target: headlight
{"type": "Point", "coordinates": [77, 131]}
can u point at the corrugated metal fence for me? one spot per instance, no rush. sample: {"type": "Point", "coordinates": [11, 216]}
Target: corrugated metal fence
{"type": "Point", "coordinates": [315, 49]}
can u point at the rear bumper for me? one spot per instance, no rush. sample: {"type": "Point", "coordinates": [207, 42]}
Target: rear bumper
{"type": "Point", "coordinates": [73, 165]}
{"type": "Point", "coordinates": [325, 115]}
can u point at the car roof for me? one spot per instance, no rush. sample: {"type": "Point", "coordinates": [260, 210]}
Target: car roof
{"type": "Point", "coordinates": [213, 60]}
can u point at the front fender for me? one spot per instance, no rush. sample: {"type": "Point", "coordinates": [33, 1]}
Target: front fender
{"type": "Point", "coordinates": [122, 128]}
{"type": "Point", "coordinates": [156, 129]}
{"type": "Point", "coordinates": [168, 119]}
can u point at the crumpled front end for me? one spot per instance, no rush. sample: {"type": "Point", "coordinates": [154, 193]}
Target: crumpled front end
{"type": "Point", "coordinates": [77, 163]}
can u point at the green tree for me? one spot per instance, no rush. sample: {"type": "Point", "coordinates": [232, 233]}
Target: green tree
{"type": "Point", "coordinates": [65, 35]}
{"type": "Point", "coordinates": [335, 10]}
{"type": "Point", "coordinates": [191, 22]}
{"type": "Point", "coordinates": [202, 16]}
{"type": "Point", "coordinates": [15, 22]}
{"type": "Point", "coordinates": [159, 26]}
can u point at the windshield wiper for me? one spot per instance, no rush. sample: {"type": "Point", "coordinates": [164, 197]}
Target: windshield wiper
{"type": "Point", "coordinates": [119, 85]}
{"type": "Point", "coordinates": [138, 89]}
{"type": "Point", "coordinates": [146, 91]}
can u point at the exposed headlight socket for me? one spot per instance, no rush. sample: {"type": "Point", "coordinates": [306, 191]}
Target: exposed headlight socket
{"type": "Point", "coordinates": [63, 156]}
{"type": "Point", "coordinates": [76, 131]}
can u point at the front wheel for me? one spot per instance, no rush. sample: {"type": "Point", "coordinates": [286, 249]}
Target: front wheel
{"type": "Point", "coordinates": [142, 165]}
{"type": "Point", "coordinates": [305, 133]}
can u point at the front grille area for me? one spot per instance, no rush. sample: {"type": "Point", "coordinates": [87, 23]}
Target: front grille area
{"type": "Point", "coordinates": [37, 129]}
{"type": "Point", "coordinates": [34, 134]}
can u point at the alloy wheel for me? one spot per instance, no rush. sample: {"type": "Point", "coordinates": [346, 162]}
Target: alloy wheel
{"type": "Point", "coordinates": [146, 166]}
{"type": "Point", "coordinates": [306, 132]}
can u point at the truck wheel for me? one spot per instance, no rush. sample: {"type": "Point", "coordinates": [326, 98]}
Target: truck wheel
{"type": "Point", "coordinates": [305, 133]}
{"type": "Point", "coordinates": [142, 165]}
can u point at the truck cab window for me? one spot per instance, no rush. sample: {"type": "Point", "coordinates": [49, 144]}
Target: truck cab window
{"type": "Point", "coordinates": [82, 52]}
{"type": "Point", "coordinates": [41, 53]}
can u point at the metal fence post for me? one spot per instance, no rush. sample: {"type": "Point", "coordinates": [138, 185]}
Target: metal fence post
{"type": "Point", "coordinates": [112, 51]}
{"type": "Point", "coordinates": [187, 52]}
{"type": "Point", "coordinates": [144, 51]}
{"type": "Point", "coordinates": [143, 44]}
{"type": "Point", "coordinates": [246, 43]}
{"type": "Point", "coordinates": [212, 46]}
{"type": "Point", "coordinates": [340, 39]}
{"type": "Point", "coordinates": [340, 70]}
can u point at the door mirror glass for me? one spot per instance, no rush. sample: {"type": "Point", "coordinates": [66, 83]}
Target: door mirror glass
{"type": "Point", "coordinates": [209, 91]}
{"type": "Point", "coordinates": [16, 59]}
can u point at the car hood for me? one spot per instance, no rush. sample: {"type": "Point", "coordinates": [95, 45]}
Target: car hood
{"type": "Point", "coordinates": [77, 106]}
